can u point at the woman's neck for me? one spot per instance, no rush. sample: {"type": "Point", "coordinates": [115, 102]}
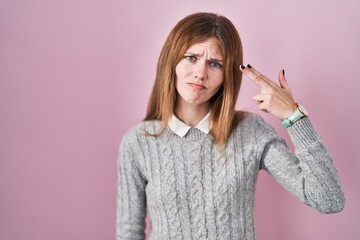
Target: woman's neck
{"type": "Point", "coordinates": [191, 114]}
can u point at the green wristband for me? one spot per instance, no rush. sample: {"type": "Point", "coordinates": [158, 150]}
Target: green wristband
{"type": "Point", "coordinates": [299, 113]}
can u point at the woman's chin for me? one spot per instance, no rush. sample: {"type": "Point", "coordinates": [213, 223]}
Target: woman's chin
{"type": "Point", "coordinates": [194, 99]}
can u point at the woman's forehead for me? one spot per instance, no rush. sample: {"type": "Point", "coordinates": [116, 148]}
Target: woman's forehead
{"type": "Point", "coordinates": [212, 44]}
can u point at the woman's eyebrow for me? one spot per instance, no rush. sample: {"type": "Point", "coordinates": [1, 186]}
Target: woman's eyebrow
{"type": "Point", "coordinates": [216, 60]}
{"type": "Point", "coordinates": [193, 54]}
{"type": "Point", "coordinates": [199, 55]}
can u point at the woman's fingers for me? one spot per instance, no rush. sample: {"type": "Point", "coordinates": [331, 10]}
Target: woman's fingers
{"type": "Point", "coordinates": [273, 98]}
{"type": "Point", "coordinates": [263, 101]}
{"type": "Point", "coordinates": [264, 83]}
{"type": "Point", "coordinates": [255, 76]}
{"type": "Point", "coordinates": [282, 80]}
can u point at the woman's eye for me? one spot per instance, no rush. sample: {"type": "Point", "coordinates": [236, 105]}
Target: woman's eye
{"type": "Point", "coordinates": [215, 65]}
{"type": "Point", "coordinates": [191, 58]}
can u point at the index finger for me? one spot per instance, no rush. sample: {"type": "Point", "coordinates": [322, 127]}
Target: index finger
{"type": "Point", "coordinates": [258, 78]}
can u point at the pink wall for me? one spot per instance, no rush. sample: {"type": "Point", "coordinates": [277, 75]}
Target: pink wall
{"type": "Point", "coordinates": [74, 75]}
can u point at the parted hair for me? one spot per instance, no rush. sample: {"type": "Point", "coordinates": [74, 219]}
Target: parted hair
{"type": "Point", "coordinates": [197, 28]}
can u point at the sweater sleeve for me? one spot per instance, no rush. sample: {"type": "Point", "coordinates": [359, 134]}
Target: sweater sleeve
{"type": "Point", "coordinates": [309, 174]}
{"type": "Point", "coordinates": [131, 200]}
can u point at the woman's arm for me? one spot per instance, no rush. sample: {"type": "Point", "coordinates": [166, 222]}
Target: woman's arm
{"type": "Point", "coordinates": [309, 174]}
{"type": "Point", "coordinates": [131, 199]}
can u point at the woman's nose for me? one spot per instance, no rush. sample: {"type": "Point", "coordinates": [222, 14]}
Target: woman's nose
{"type": "Point", "coordinates": [200, 71]}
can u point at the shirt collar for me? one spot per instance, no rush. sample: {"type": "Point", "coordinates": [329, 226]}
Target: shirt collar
{"type": "Point", "coordinates": [181, 128]}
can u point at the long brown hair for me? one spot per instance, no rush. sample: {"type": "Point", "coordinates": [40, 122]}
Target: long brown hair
{"type": "Point", "coordinates": [192, 29]}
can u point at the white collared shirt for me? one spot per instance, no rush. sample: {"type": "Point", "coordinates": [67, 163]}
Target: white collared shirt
{"type": "Point", "coordinates": [181, 128]}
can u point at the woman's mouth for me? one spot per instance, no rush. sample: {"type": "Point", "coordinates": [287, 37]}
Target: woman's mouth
{"type": "Point", "coordinates": [197, 86]}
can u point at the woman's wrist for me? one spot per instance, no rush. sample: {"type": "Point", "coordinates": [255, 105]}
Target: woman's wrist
{"type": "Point", "coordinates": [299, 113]}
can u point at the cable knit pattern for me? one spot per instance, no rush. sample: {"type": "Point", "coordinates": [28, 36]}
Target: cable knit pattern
{"type": "Point", "coordinates": [193, 191]}
{"type": "Point", "coordinates": [196, 188]}
{"type": "Point", "coordinates": [170, 192]}
{"type": "Point", "coordinates": [221, 188]}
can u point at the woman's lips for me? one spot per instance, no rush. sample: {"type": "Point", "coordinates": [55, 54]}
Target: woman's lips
{"type": "Point", "coordinates": [197, 86]}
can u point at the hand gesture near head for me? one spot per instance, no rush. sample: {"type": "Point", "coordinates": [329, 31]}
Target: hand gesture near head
{"type": "Point", "coordinates": [273, 98]}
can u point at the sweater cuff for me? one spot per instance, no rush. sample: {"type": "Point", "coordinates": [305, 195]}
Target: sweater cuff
{"type": "Point", "coordinates": [303, 134]}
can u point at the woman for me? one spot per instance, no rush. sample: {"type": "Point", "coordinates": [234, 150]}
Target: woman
{"type": "Point", "coordinates": [193, 162]}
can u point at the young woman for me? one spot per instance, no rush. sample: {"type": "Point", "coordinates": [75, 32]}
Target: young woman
{"type": "Point", "coordinates": [193, 162]}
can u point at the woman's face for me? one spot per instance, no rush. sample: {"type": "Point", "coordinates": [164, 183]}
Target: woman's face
{"type": "Point", "coordinates": [199, 74]}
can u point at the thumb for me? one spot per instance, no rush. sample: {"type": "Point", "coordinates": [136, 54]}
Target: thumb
{"type": "Point", "coordinates": [282, 80]}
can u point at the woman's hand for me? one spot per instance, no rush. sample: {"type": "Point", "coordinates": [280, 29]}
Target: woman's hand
{"type": "Point", "coordinates": [273, 98]}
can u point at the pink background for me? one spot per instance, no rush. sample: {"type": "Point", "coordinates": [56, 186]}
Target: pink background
{"type": "Point", "coordinates": [74, 75]}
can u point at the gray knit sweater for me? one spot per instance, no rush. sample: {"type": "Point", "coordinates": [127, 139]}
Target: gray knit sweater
{"type": "Point", "coordinates": [193, 191]}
